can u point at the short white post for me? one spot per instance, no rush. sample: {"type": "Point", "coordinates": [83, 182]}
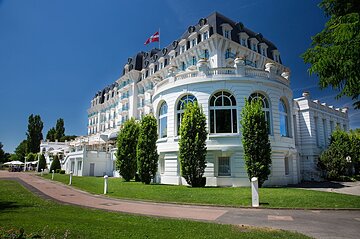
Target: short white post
{"type": "Point", "coordinates": [255, 191]}
{"type": "Point", "coordinates": [25, 165]}
{"type": "Point", "coordinates": [52, 176]}
{"type": "Point", "coordinates": [105, 184]}
{"type": "Point", "coordinates": [70, 181]}
{"type": "Point", "coordinates": [42, 170]}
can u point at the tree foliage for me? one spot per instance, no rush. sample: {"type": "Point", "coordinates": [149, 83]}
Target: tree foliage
{"type": "Point", "coordinates": [34, 133]}
{"type": "Point", "coordinates": [126, 149]}
{"type": "Point", "coordinates": [51, 135]}
{"type": "Point", "coordinates": [59, 129]}
{"type": "Point", "coordinates": [2, 153]}
{"type": "Point", "coordinates": [55, 164]}
{"type": "Point", "coordinates": [41, 163]}
{"type": "Point", "coordinates": [335, 51]}
{"type": "Point", "coordinates": [342, 145]}
{"type": "Point", "coordinates": [255, 141]}
{"type": "Point", "coordinates": [146, 153]}
{"type": "Point", "coordinates": [192, 145]}
{"type": "Point", "coordinates": [21, 151]}
{"type": "Point", "coordinates": [58, 132]}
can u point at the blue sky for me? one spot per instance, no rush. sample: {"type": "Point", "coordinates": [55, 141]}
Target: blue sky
{"type": "Point", "coordinates": [56, 54]}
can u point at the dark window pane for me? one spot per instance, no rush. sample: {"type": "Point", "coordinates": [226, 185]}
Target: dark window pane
{"type": "Point", "coordinates": [223, 121]}
{"type": "Point", "coordinates": [212, 121]}
{"type": "Point", "coordinates": [212, 100]}
{"type": "Point", "coordinates": [234, 121]}
{"type": "Point", "coordinates": [233, 101]}
{"type": "Point", "coordinates": [226, 101]}
{"type": "Point", "coordinates": [218, 101]}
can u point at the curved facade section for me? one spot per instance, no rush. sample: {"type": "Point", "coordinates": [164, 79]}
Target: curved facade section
{"type": "Point", "coordinates": [222, 97]}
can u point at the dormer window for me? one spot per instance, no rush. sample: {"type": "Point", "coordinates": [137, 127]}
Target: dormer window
{"type": "Point", "coordinates": [226, 28]}
{"type": "Point", "coordinates": [254, 47]}
{"type": "Point", "coordinates": [276, 56]}
{"type": "Point", "coordinates": [182, 49]}
{"type": "Point", "coordinates": [227, 34]}
{"type": "Point", "coordinates": [243, 42]}
{"type": "Point", "coordinates": [263, 49]}
{"type": "Point", "coordinates": [205, 35]}
{"type": "Point", "coordinates": [193, 42]}
{"type": "Point", "coordinates": [161, 65]}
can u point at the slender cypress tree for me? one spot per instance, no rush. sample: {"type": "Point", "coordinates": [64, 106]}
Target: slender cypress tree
{"type": "Point", "coordinates": [126, 149]}
{"type": "Point", "coordinates": [255, 140]}
{"type": "Point", "coordinates": [34, 133]}
{"type": "Point", "coordinates": [192, 145]}
{"type": "Point", "coordinates": [147, 156]}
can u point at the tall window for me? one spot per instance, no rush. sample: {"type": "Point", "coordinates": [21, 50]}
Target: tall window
{"type": "Point", "coordinates": [205, 35]}
{"type": "Point", "coordinates": [286, 164]}
{"type": "Point", "coordinates": [223, 116]}
{"type": "Point", "coordinates": [181, 107]}
{"type": "Point", "coordinates": [163, 120]}
{"type": "Point", "coordinates": [224, 166]}
{"type": "Point", "coordinates": [206, 53]}
{"type": "Point", "coordinates": [194, 60]}
{"type": "Point", "coordinates": [284, 120]}
{"type": "Point", "coordinates": [183, 66]}
{"type": "Point", "coordinates": [265, 105]}
{"type": "Point", "coordinates": [227, 33]}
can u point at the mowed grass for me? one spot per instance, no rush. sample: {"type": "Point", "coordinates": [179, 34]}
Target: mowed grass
{"type": "Point", "coordinates": [235, 197]}
{"type": "Point", "coordinates": [20, 208]}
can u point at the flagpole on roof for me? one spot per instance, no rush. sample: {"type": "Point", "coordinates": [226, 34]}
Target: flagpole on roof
{"type": "Point", "coordinates": [159, 38]}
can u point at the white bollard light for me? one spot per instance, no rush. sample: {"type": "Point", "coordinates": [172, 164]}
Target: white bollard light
{"type": "Point", "coordinates": [42, 170]}
{"type": "Point", "coordinates": [70, 181]}
{"type": "Point", "coordinates": [105, 184]}
{"type": "Point", "coordinates": [255, 191]}
{"type": "Point", "coordinates": [52, 176]}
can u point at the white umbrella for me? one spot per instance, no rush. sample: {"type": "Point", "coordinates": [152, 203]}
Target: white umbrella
{"type": "Point", "coordinates": [14, 163]}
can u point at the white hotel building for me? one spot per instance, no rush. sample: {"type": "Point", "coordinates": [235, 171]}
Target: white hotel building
{"type": "Point", "coordinates": [220, 64]}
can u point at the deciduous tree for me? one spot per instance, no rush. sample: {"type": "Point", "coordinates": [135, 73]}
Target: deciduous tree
{"type": "Point", "coordinates": [335, 51]}
{"type": "Point", "coordinates": [60, 129]}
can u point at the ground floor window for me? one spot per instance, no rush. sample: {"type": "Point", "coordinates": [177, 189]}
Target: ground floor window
{"type": "Point", "coordinates": [224, 166]}
{"type": "Point", "coordinates": [287, 168]}
{"type": "Point", "coordinates": [79, 165]}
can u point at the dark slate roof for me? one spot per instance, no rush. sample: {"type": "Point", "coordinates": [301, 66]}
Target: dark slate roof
{"type": "Point", "coordinates": [142, 60]}
{"type": "Point", "coordinates": [215, 20]}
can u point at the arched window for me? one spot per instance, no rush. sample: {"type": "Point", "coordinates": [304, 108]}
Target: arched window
{"type": "Point", "coordinates": [284, 120]}
{"type": "Point", "coordinates": [223, 116]}
{"type": "Point", "coordinates": [181, 107]}
{"type": "Point", "coordinates": [163, 120]}
{"type": "Point", "coordinates": [265, 105]}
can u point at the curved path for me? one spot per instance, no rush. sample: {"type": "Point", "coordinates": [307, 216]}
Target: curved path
{"type": "Point", "coordinates": [315, 223]}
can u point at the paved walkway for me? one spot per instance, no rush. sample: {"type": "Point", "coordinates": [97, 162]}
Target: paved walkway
{"type": "Point", "coordinates": [315, 223]}
{"type": "Point", "coordinates": [352, 188]}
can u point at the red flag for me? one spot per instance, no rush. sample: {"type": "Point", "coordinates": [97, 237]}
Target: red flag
{"type": "Point", "coordinates": [154, 38]}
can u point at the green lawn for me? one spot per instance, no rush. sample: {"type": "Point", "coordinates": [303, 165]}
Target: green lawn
{"type": "Point", "coordinates": [236, 197]}
{"type": "Point", "coordinates": [19, 208]}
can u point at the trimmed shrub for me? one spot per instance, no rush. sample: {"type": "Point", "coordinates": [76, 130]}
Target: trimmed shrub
{"type": "Point", "coordinates": [62, 172]}
{"type": "Point", "coordinates": [41, 163]}
{"type": "Point", "coordinates": [55, 165]}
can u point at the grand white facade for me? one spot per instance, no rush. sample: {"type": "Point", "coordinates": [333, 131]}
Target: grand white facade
{"type": "Point", "coordinates": [220, 64]}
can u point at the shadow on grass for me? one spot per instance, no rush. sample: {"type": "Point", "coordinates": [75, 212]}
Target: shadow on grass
{"type": "Point", "coordinates": [7, 206]}
{"type": "Point", "coordinates": [327, 184]}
